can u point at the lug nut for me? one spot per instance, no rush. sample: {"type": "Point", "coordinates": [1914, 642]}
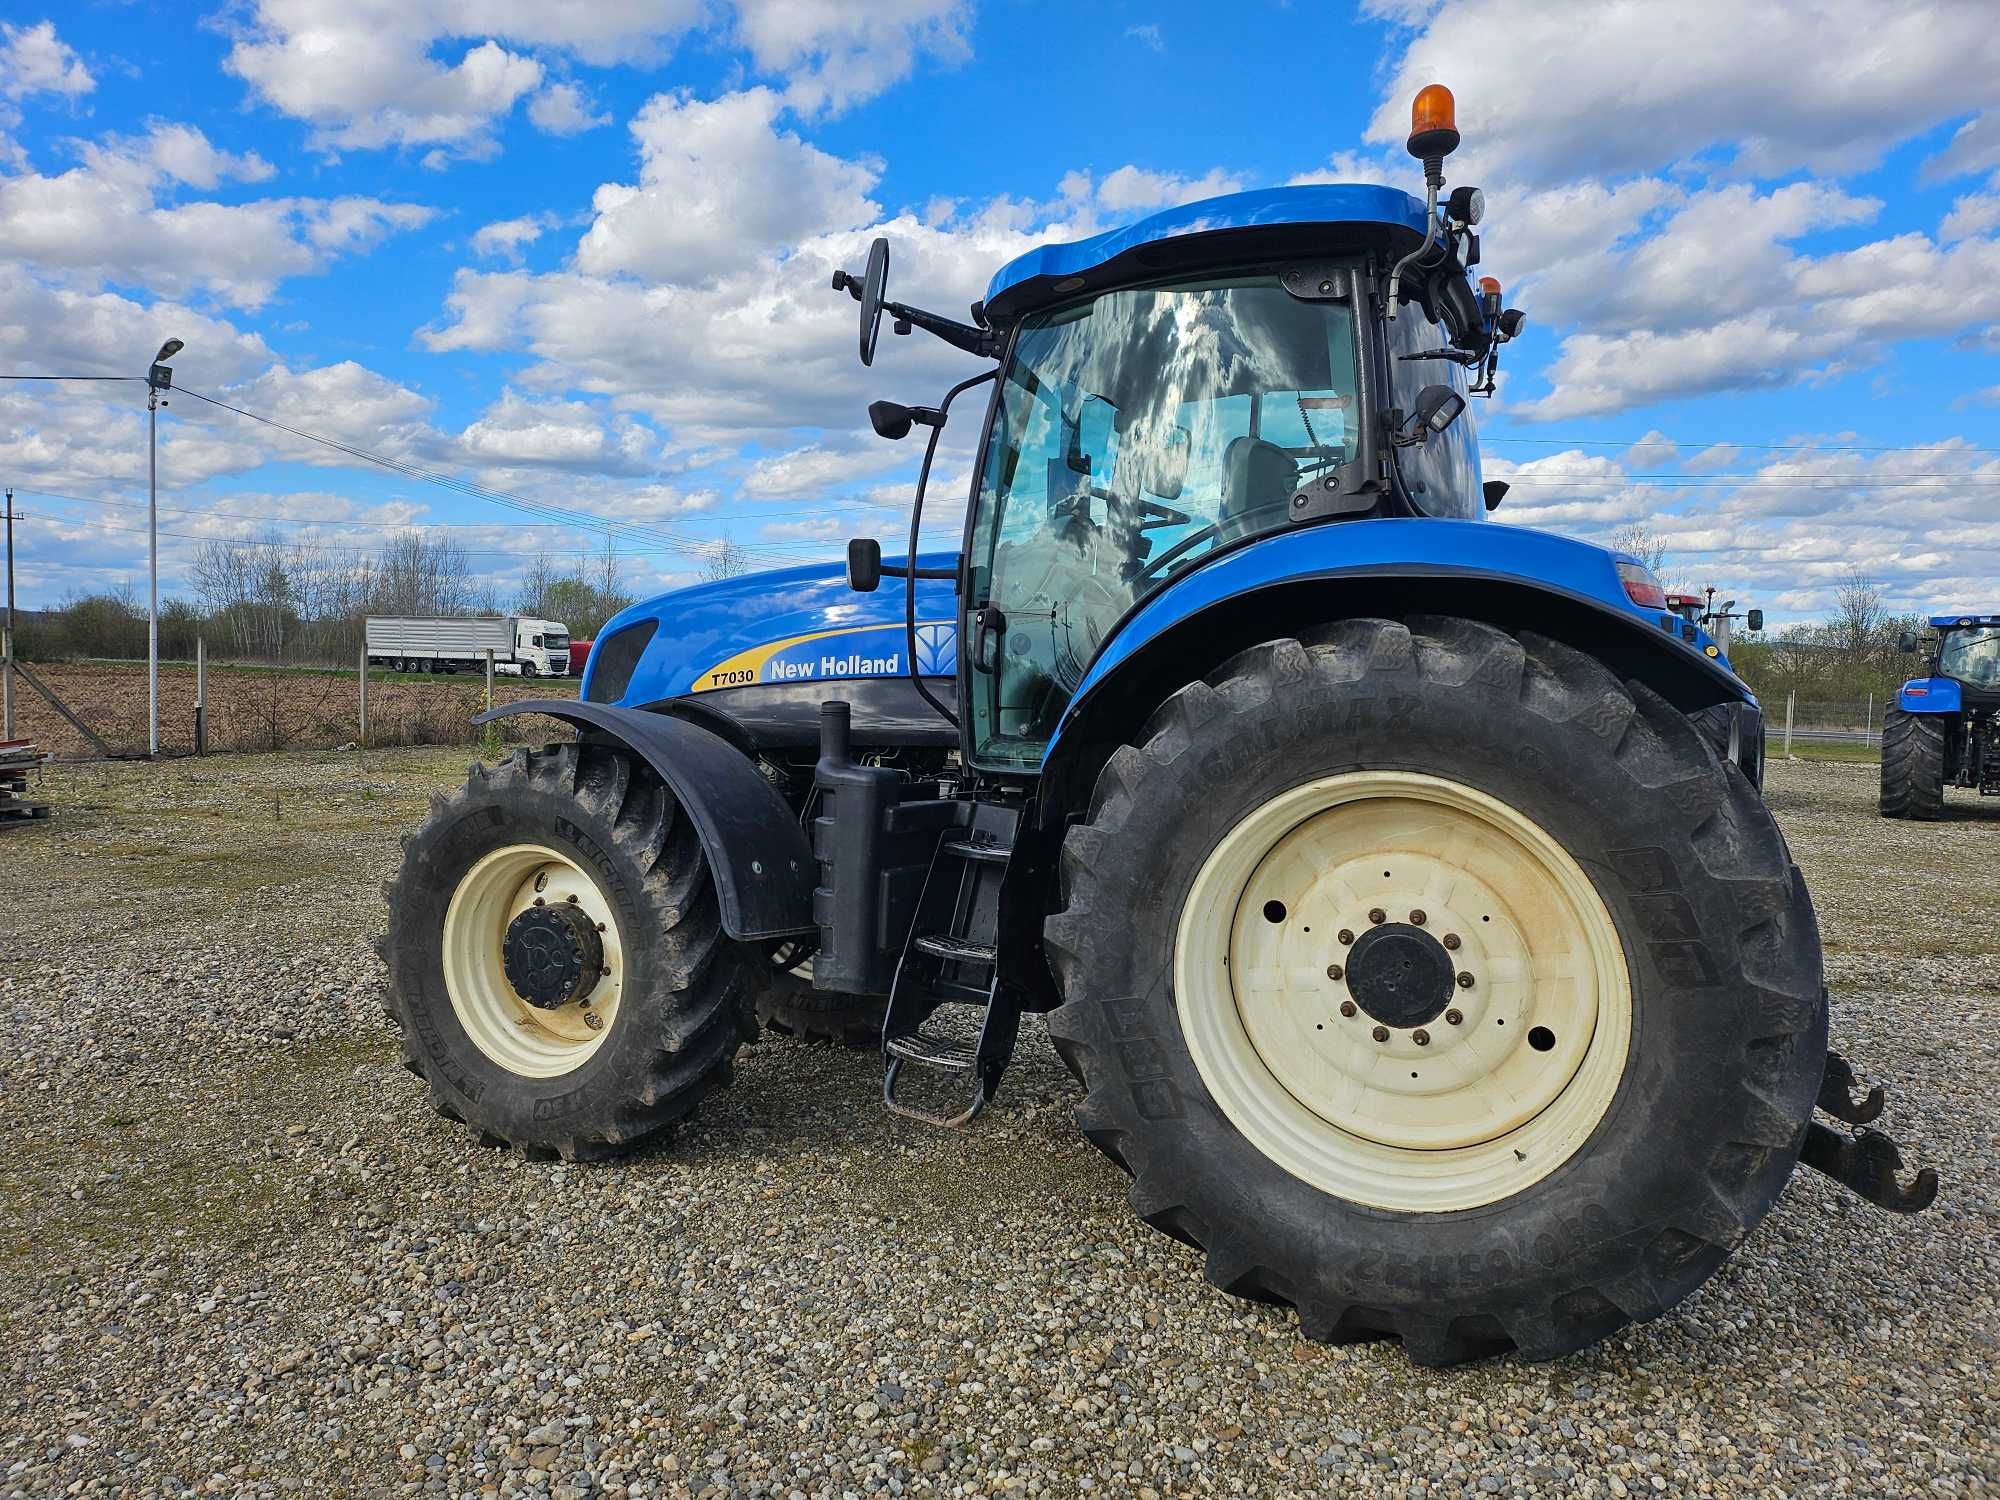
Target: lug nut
{"type": "Point", "coordinates": [1464, 980]}
{"type": "Point", "coordinates": [1417, 918]}
{"type": "Point", "coordinates": [593, 1020]}
{"type": "Point", "coordinates": [1381, 1033]}
{"type": "Point", "coordinates": [1454, 1017]}
{"type": "Point", "coordinates": [1378, 916]}
{"type": "Point", "coordinates": [1451, 941]}
{"type": "Point", "coordinates": [1334, 971]}
{"type": "Point", "coordinates": [1347, 1007]}
{"type": "Point", "coordinates": [1421, 1037]}
{"type": "Point", "coordinates": [1346, 936]}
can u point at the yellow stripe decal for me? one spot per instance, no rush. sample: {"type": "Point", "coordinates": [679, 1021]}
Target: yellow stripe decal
{"type": "Point", "coordinates": [747, 667]}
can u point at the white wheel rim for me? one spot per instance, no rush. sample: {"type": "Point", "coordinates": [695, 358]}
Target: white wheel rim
{"type": "Point", "coordinates": [1500, 1098]}
{"type": "Point", "coordinates": [522, 1038]}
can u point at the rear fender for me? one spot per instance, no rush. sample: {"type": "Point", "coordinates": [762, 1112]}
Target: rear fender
{"type": "Point", "coordinates": [1930, 695]}
{"type": "Point", "coordinates": [758, 854]}
{"type": "Point", "coordinates": [1154, 658]}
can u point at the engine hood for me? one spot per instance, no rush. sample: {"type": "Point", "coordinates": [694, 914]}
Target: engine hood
{"type": "Point", "coordinates": [794, 625]}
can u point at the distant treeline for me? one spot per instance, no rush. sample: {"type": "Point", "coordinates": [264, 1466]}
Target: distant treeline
{"type": "Point", "coordinates": [275, 600]}
{"type": "Point", "coordinates": [1846, 658]}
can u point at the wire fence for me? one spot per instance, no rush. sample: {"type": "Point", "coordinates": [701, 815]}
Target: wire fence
{"type": "Point", "coordinates": [264, 706]}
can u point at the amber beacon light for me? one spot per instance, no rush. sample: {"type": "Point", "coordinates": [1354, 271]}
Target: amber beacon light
{"type": "Point", "coordinates": [1433, 122]}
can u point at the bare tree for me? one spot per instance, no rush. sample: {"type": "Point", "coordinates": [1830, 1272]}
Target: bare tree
{"type": "Point", "coordinates": [724, 559]}
{"type": "Point", "coordinates": [1858, 615]}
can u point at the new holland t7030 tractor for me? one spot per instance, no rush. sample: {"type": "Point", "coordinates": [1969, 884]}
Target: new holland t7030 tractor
{"type": "Point", "coordinates": [1396, 884]}
{"type": "Point", "coordinates": [1945, 728]}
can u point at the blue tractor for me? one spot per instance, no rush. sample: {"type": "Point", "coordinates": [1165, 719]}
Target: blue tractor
{"type": "Point", "coordinates": [1397, 885]}
{"type": "Point", "coordinates": [1945, 728]}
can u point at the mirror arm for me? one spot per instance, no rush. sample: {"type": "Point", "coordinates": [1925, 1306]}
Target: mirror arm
{"type": "Point", "coordinates": [964, 336]}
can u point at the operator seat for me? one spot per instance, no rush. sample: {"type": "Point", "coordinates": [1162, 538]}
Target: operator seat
{"type": "Point", "coordinates": [1258, 481]}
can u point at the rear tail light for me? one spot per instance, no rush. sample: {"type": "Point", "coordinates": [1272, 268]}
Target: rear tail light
{"type": "Point", "coordinates": [1909, 692]}
{"type": "Point", "coordinates": [1641, 587]}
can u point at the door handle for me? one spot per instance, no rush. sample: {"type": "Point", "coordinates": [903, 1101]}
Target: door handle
{"type": "Point", "coordinates": [989, 622]}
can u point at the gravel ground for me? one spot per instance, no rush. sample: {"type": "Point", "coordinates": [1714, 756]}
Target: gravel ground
{"type": "Point", "coordinates": [242, 1257]}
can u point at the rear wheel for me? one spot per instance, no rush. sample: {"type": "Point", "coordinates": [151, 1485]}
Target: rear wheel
{"type": "Point", "coordinates": [1912, 765]}
{"type": "Point", "coordinates": [1493, 1017]}
{"type": "Point", "coordinates": [556, 962]}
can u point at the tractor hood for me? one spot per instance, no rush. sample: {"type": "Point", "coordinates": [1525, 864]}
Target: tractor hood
{"type": "Point", "coordinates": [795, 625]}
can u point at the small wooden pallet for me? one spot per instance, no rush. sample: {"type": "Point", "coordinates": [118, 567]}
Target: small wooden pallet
{"type": "Point", "coordinates": [17, 758]}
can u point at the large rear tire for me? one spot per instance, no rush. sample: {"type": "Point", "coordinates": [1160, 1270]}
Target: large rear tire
{"type": "Point", "coordinates": [1336, 844]}
{"type": "Point", "coordinates": [1912, 765]}
{"type": "Point", "coordinates": [568, 875]}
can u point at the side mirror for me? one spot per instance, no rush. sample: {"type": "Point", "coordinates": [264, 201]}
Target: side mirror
{"type": "Point", "coordinates": [892, 419]}
{"type": "Point", "coordinates": [864, 564]}
{"type": "Point", "coordinates": [874, 285]}
{"type": "Point", "coordinates": [1438, 406]}
{"type": "Point", "coordinates": [1754, 620]}
{"type": "Point", "coordinates": [1495, 491]}
{"type": "Point", "coordinates": [1907, 641]}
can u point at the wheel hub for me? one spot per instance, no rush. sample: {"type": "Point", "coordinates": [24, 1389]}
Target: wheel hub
{"type": "Point", "coordinates": [1400, 975]}
{"type": "Point", "coordinates": [552, 955]}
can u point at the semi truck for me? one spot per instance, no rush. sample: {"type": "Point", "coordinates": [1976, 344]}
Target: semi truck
{"type": "Point", "coordinates": [521, 646]}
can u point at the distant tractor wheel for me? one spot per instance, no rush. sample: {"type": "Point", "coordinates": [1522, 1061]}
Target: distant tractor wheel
{"type": "Point", "coordinates": [1436, 982]}
{"type": "Point", "coordinates": [556, 963]}
{"type": "Point", "coordinates": [1912, 765]}
{"type": "Point", "coordinates": [790, 1006]}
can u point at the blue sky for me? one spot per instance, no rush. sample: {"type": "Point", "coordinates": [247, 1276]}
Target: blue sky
{"type": "Point", "coordinates": [577, 253]}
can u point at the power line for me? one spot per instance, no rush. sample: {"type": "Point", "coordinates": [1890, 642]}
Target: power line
{"type": "Point", "coordinates": [667, 540]}
{"type": "Point", "coordinates": [1707, 443]}
{"type": "Point", "coordinates": [139, 378]}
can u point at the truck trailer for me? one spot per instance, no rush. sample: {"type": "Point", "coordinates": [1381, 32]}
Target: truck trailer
{"type": "Point", "coordinates": [521, 646]}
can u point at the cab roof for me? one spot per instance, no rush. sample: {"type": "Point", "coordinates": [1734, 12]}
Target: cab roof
{"type": "Point", "coordinates": [1945, 622]}
{"type": "Point", "coordinates": [1236, 227]}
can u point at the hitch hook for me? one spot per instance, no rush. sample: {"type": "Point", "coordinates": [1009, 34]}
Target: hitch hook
{"type": "Point", "coordinates": [1836, 1093]}
{"type": "Point", "coordinates": [1866, 1164]}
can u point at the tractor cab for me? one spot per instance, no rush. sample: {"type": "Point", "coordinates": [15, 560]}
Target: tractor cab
{"type": "Point", "coordinates": [1211, 376]}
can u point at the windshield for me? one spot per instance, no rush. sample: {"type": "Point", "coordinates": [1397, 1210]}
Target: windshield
{"type": "Point", "coordinates": [1972, 656]}
{"type": "Point", "coordinates": [1135, 434]}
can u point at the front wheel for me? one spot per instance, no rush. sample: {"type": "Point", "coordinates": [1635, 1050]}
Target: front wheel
{"type": "Point", "coordinates": [1493, 1017]}
{"type": "Point", "coordinates": [1912, 765]}
{"type": "Point", "coordinates": [557, 966]}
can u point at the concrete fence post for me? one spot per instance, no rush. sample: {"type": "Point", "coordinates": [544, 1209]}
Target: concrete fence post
{"type": "Point", "coordinates": [1791, 702]}
{"type": "Point", "coordinates": [200, 695]}
{"type": "Point", "coordinates": [1868, 734]}
{"type": "Point", "coordinates": [364, 696]}
{"type": "Point", "coordinates": [489, 679]}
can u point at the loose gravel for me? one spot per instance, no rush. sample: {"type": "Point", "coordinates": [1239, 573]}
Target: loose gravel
{"type": "Point", "coordinates": [242, 1257]}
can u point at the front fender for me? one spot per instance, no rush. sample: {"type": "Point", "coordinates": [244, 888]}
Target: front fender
{"type": "Point", "coordinates": [1931, 695]}
{"type": "Point", "coordinates": [762, 865]}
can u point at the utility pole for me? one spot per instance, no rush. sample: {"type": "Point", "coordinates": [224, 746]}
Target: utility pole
{"type": "Point", "coordinates": [159, 378]}
{"type": "Point", "coordinates": [7, 635]}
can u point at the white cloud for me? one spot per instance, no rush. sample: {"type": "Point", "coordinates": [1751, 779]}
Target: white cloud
{"type": "Point", "coordinates": [516, 432]}
{"type": "Point", "coordinates": [1147, 35]}
{"type": "Point", "coordinates": [718, 178]}
{"type": "Point", "coordinates": [1974, 147]}
{"type": "Point", "coordinates": [811, 472]}
{"type": "Point", "coordinates": [34, 60]}
{"type": "Point", "coordinates": [1653, 449]}
{"type": "Point", "coordinates": [835, 53]}
{"type": "Point", "coordinates": [1545, 84]}
{"type": "Point", "coordinates": [1973, 214]}
{"type": "Point", "coordinates": [105, 221]}
{"type": "Point", "coordinates": [564, 109]}
{"type": "Point", "coordinates": [505, 237]}
{"type": "Point", "coordinates": [1132, 189]}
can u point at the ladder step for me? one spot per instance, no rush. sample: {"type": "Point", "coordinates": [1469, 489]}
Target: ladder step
{"type": "Point", "coordinates": [992, 854]}
{"type": "Point", "coordinates": [934, 1052]}
{"type": "Point", "coordinates": [956, 950]}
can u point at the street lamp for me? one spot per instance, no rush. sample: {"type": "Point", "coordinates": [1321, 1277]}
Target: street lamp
{"type": "Point", "coordinates": [159, 378]}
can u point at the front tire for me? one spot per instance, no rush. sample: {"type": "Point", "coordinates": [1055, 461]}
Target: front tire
{"type": "Point", "coordinates": [1622, 903]}
{"type": "Point", "coordinates": [557, 966]}
{"type": "Point", "coordinates": [1912, 765]}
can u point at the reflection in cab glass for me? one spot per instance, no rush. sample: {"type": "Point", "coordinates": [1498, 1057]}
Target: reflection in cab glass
{"type": "Point", "coordinates": [1135, 434]}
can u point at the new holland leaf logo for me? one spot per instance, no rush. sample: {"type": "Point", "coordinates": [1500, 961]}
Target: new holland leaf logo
{"type": "Point", "coordinates": [937, 650]}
